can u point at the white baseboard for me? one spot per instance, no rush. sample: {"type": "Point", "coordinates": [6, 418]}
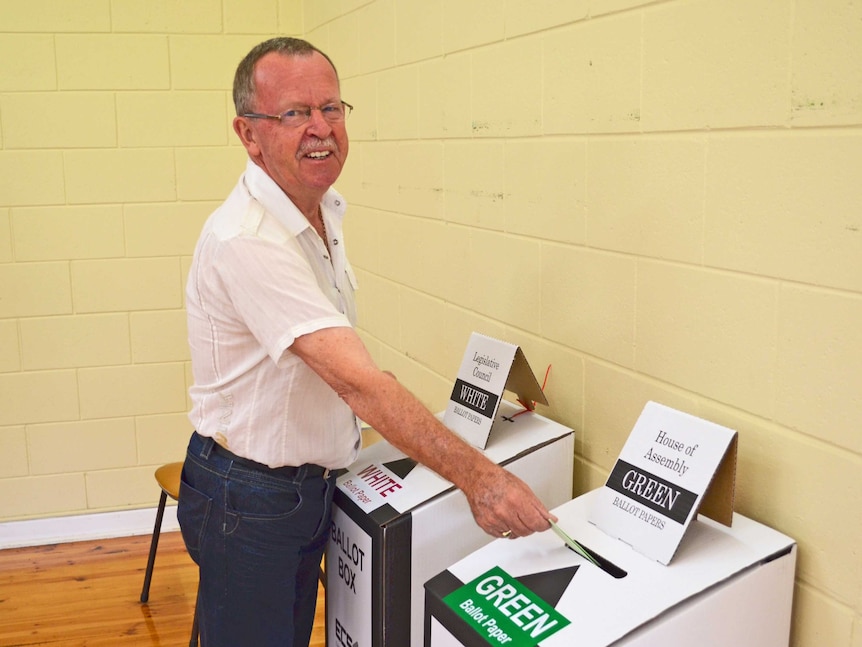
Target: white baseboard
{"type": "Point", "coordinates": [102, 525]}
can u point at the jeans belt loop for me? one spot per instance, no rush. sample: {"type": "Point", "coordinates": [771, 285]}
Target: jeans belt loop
{"type": "Point", "coordinates": [207, 447]}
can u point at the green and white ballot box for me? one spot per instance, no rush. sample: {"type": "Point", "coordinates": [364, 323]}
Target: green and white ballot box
{"type": "Point", "coordinates": [397, 523]}
{"type": "Point", "coordinates": [726, 586]}
{"type": "Point", "coordinates": [645, 569]}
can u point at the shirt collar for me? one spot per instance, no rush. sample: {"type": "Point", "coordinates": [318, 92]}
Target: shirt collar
{"type": "Point", "coordinates": [264, 189]}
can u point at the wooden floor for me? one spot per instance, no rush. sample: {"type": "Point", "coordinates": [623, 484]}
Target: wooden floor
{"type": "Point", "coordinates": [87, 594]}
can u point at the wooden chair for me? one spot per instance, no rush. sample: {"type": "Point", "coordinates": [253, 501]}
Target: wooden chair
{"type": "Point", "coordinates": [168, 478]}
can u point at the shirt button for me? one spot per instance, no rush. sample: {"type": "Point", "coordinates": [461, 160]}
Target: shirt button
{"type": "Point", "coordinates": [334, 241]}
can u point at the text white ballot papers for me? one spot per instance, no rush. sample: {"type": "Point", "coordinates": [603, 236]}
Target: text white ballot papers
{"type": "Point", "coordinates": [660, 478]}
{"type": "Point", "coordinates": [488, 368]}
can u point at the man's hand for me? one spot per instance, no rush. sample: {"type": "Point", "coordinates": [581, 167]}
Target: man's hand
{"type": "Point", "coordinates": [504, 506]}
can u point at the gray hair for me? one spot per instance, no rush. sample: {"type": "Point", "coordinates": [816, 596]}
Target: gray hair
{"type": "Point", "coordinates": [243, 81]}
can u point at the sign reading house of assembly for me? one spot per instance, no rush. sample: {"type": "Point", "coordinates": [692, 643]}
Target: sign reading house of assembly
{"type": "Point", "coordinates": [670, 465]}
{"type": "Point", "coordinates": [488, 368]}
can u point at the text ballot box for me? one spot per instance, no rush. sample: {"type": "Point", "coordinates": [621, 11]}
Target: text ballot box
{"type": "Point", "coordinates": [396, 524]}
{"type": "Point", "coordinates": [725, 586]}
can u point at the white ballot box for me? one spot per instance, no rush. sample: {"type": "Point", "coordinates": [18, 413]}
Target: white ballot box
{"type": "Point", "coordinates": [725, 586]}
{"type": "Point", "coordinates": [396, 524]}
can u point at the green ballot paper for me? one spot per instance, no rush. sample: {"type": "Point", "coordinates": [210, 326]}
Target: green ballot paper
{"type": "Point", "coordinates": [571, 543]}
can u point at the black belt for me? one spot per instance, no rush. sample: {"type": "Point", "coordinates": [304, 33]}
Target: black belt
{"type": "Point", "coordinates": [311, 470]}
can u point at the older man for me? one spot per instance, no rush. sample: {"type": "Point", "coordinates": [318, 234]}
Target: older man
{"type": "Point", "coordinates": [280, 375]}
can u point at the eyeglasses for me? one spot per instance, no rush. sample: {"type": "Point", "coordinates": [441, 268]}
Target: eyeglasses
{"type": "Point", "coordinates": [333, 113]}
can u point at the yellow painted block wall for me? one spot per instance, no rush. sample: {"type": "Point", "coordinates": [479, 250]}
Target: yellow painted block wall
{"type": "Point", "coordinates": [658, 199]}
{"type": "Point", "coordinates": [115, 145]}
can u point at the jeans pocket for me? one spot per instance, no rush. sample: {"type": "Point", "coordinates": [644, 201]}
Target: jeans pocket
{"type": "Point", "coordinates": [193, 511]}
{"type": "Point", "coordinates": [265, 512]}
{"type": "Point", "coordinates": [263, 504]}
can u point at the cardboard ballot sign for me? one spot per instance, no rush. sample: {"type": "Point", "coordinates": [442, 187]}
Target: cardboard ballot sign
{"type": "Point", "coordinates": [726, 586]}
{"type": "Point", "coordinates": [397, 523]}
{"type": "Point", "coordinates": [664, 472]}
{"type": "Point", "coordinates": [488, 368]}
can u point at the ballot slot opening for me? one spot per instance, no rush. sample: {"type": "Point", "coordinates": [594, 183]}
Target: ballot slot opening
{"type": "Point", "coordinates": [607, 566]}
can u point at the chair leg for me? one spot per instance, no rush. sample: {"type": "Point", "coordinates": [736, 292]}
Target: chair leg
{"type": "Point", "coordinates": [195, 629]}
{"type": "Point", "coordinates": [148, 575]}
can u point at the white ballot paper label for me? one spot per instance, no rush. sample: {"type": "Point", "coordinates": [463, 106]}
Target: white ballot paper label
{"type": "Point", "coordinates": [479, 388]}
{"type": "Point", "coordinates": [659, 480]}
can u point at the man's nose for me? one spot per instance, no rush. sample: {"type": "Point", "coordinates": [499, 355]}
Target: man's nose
{"type": "Point", "coordinates": [317, 121]}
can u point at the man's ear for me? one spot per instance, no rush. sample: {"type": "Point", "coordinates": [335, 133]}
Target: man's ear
{"type": "Point", "coordinates": [244, 131]}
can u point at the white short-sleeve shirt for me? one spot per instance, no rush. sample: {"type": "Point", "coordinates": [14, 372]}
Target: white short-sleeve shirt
{"type": "Point", "coordinates": [260, 278]}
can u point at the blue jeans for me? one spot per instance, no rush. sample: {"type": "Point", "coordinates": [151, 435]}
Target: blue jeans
{"type": "Point", "coordinates": [257, 535]}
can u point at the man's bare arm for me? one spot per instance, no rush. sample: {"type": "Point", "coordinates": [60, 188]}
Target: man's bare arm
{"type": "Point", "coordinates": [499, 500]}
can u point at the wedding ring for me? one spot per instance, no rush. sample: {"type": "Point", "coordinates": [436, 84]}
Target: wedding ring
{"type": "Point", "coordinates": [506, 533]}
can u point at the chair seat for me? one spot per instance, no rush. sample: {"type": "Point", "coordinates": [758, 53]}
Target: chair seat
{"type": "Point", "coordinates": [168, 478]}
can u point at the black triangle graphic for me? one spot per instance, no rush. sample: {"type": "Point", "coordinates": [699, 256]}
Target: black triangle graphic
{"type": "Point", "coordinates": [550, 585]}
{"type": "Point", "coordinates": [402, 467]}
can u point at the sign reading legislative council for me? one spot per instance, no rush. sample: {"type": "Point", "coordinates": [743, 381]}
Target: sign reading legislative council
{"type": "Point", "coordinates": [662, 476]}
{"type": "Point", "coordinates": [489, 367]}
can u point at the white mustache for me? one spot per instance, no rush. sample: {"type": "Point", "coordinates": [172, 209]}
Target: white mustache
{"type": "Point", "coordinates": [317, 145]}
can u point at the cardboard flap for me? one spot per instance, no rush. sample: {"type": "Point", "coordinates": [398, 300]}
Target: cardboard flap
{"type": "Point", "coordinates": [523, 383]}
{"type": "Point", "coordinates": [489, 367]}
{"type": "Point", "coordinates": [659, 483]}
{"type": "Point", "coordinates": [717, 503]}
